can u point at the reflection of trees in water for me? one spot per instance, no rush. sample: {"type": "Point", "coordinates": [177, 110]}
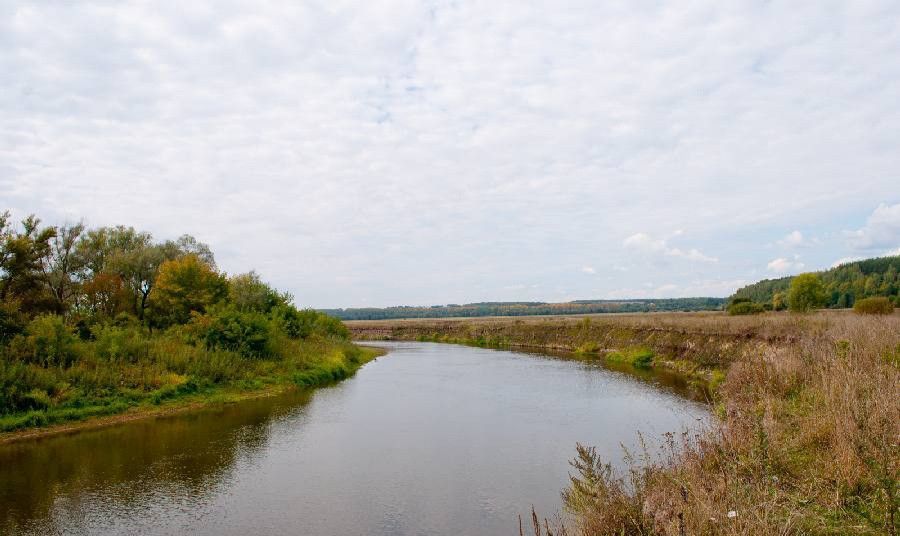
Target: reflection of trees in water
{"type": "Point", "coordinates": [185, 456]}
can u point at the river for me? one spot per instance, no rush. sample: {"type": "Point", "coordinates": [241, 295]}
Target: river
{"type": "Point", "coordinates": [429, 439]}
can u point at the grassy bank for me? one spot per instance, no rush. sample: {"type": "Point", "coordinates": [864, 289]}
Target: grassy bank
{"type": "Point", "coordinates": [697, 345]}
{"type": "Point", "coordinates": [807, 439]}
{"type": "Point", "coordinates": [170, 375]}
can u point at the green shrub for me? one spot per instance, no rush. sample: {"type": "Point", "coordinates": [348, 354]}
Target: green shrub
{"type": "Point", "coordinates": [873, 306]}
{"type": "Point", "coordinates": [12, 321]}
{"type": "Point", "coordinates": [245, 332]}
{"type": "Point", "coordinates": [295, 324]}
{"type": "Point", "coordinates": [37, 399]}
{"type": "Point", "coordinates": [126, 320]}
{"type": "Point", "coordinates": [331, 327]}
{"type": "Point", "coordinates": [174, 391]}
{"type": "Point", "coordinates": [47, 342]}
{"type": "Point", "coordinates": [18, 381]}
{"type": "Point", "coordinates": [115, 344]}
{"type": "Point", "coordinates": [642, 358]}
{"type": "Point", "coordinates": [745, 308]}
{"type": "Point", "coordinates": [636, 357]}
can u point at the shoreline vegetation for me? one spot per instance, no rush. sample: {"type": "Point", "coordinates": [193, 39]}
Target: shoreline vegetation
{"type": "Point", "coordinates": [210, 397]}
{"type": "Point", "coordinates": [806, 439]}
{"type": "Point", "coordinates": [106, 322]}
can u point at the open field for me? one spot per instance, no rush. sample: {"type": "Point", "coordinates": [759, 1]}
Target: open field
{"type": "Point", "coordinates": [808, 430]}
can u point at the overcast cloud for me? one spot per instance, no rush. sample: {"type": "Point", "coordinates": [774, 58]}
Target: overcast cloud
{"type": "Point", "coordinates": [410, 152]}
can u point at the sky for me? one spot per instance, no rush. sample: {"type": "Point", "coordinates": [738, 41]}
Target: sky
{"type": "Point", "coordinates": [428, 152]}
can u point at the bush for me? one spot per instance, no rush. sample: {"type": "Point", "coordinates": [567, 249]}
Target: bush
{"type": "Point", "coordinates": [12, 321]}
{"type": "Point", "coordinates": [20, 385]}
{"type": "Point", "coordinates": [332, 327]}
{"type": "Point", "coordinates": [301, 324]}
{"type": "Point", "coordinates": [642, 358]}
{"type": "Point", "coordinates": [295, 324]}
{"type": "Point", "coordinates": [637, 357]}
{"type": "Point", "coordinates": [745, 308]}
{"type": "Point", "coordinates": [37, 399]}
{"type": "Point", "coordinates": [47, 342]}
{"type": "Point", "coordinates": [120, 344]}
{"type": "Point", "coordinates": [247, 332]}
{"type": "Point", "coordinates": [873, 306]}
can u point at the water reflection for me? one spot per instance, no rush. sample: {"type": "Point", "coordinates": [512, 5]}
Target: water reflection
{"type": "Point", "coordinates": [43, 483]}
{"type": "Point", "coordinates": [431, 439]}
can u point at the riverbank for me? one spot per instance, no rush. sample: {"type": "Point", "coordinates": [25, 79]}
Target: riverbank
{"type": "Point", "coordinates": [805, 443]}
{"type": "Point", "coordinates": [338, 362]}
{"type": "Point", "coordinates": [698, 346]}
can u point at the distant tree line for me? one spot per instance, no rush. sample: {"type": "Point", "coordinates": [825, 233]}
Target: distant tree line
{"type": "Point", "coordinates": [482, 309]}
{"type": "Point", "coordinates": [842, 286]}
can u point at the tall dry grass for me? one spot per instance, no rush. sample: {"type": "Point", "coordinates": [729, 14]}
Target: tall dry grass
{"type": "Point", "coordinates": [807, 444]}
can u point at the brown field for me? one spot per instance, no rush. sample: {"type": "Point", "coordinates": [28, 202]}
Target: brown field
{"type": "Point", "coordinates": [807, 436]}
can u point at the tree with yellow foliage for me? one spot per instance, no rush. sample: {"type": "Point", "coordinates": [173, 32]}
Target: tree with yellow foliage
{"type": "Point", "coordinates": [185, 285]}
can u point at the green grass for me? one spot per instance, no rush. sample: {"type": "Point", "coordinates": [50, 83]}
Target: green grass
{"type": "Point", "coordinates": [638, 357]}
{"type": "Point", "coordinates": [314, 364]}
{"type": "Point", "coordinates": [480, 341]}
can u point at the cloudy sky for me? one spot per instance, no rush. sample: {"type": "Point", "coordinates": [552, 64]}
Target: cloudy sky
{"type": "Point", "coordinates": [423, 152]}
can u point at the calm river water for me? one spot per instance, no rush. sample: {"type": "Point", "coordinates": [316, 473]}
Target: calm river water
{"type": "Point", "coordinates": [429, 439]}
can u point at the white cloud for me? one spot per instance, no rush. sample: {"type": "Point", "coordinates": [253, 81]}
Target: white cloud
{"type": "Point", "coordinates": [782, 265]}
{"type": "Point", "coordinates": [882, 229]}
{"type": "Point", "coordinates": [588, 270]}
{"type": "Point", "coordinates": [643, 242]}
{"type": "Point", "coordinates": [399, 151]}
{"type": "Point", "coordinates": [793, 239]}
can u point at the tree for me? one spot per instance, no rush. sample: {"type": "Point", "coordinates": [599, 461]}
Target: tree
{"type": "Point", "coordinates": [62, 266]}
{"type": "Point", "coordinates": [126, 253]}
{"type": "Point", "coordinates": [98, 246]}
{"type": "Point", "coordinates": [779, 301]}
{"type": "Point", "coordinates": [138, 269]}
{"type": "Point", "coordinates": [104, 295]}
{"type": "Point", "coordinates": [21, 260]}
{"type": "Point", "coordinates": [249, 293]}
{"type": "Point", "coordinates": [183, 286]}
{"type": "Point", "coordinates": [806, 293]}
{"type": "Point", "coordinates": [188, 245]}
